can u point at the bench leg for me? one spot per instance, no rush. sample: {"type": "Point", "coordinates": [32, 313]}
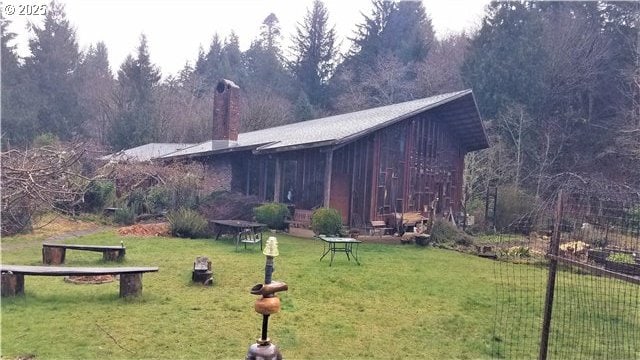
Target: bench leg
{"type": "Point", "coordinates": [12, 285]}
{"type": "Point", "coordinates": [113, 255]}
{"type": "Point", "coordinates": [130, 284]}
{"type": "Point", "coordinates": [53, 255]}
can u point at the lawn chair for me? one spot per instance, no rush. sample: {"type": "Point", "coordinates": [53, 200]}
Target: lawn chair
{"type": "Point", "coordinates": [248, 236]}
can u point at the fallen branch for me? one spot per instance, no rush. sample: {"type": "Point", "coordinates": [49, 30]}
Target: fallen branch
{"type": "Point", "coordinates": [114, 339]}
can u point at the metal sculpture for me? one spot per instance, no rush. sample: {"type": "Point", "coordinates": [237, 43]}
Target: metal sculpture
{"type": "Point", "coordinates": [266, 305]}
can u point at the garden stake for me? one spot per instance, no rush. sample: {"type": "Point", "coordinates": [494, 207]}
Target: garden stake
{"type": "Point", "coordinates": [268, 304]}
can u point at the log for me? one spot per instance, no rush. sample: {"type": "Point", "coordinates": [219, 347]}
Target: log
{"type": "Point", "coordinates": [113, 255]}
{"type": "Point", "coordinates": [53, 255]}
{"type": "Point", "coordinates": [130, 284]}
{"type": "Point", "coordinates": [12, 284]}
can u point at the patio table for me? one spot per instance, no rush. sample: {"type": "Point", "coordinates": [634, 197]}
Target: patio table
{"type": "Point", "coordinates": [340, 244]}
{"type": "Point", "coordinates": [236, 228]}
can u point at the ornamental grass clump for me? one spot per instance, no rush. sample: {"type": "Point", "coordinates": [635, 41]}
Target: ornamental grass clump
{"type": "Point", "coordinates": [187, 223]}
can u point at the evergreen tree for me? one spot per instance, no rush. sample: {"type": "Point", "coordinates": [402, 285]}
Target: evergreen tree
{"type": "Point", "coordinates": [270, 33]}
{"type": "Point", "coordinates": [303, 108]}
{"type": "Point", "coordinates": [52, 69]}
{"type": "Point", "coordinates": [399, 29]}
{"type": "Point", "coordinates": [263, 63]}
{"type": "Point", "coordinates": [18, 110]}
{"type": "Point", "coordinates": [367, 43]}
{"type": "Point", "coordinates": [231, 59]}
{"type": "Point", "coordinates": [387, 48]}
{"type": "Point", "coordinates": [208, 66]}
{"type": "Point", "coordinates": [137, 78]}
{"type": "Point", "coordinates": [506, 60]}
{"type": "Point", "coordinates": [96, 89]}
{"type": "Point", "coordinates": [314, 52]}
{"type": "Point", "coordinates": [408, 33]}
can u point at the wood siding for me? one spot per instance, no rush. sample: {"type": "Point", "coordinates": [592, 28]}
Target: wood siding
{"type": "Point", "coordinates": [415, 165]}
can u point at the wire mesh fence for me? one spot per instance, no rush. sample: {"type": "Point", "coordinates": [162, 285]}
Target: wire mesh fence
{"type": "Point", "coordinates": [569, 280]}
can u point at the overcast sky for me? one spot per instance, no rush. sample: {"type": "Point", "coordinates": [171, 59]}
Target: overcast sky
{"type": "Point", "coordinates": [176, 29]}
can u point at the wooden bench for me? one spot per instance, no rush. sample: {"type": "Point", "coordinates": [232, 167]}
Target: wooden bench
{"type": "Point", "coordinates": [54, 254]}
{"type": "Point", "coordinates": [130, 277]}
{"type": "Point", "coordinates": [379, 227]}
{"type": "Point", "coordinates": [301, 219]}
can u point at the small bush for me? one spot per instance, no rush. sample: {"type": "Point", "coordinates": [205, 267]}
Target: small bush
{"type": "Point", "coordinates": [621, 258]}
{"type": "Point", "coordinates": [136, 201]}
{"type": "Point", "coordinates": [228, 205]}
{"type": "Point", "coordinates": [158, 199]}
{"type": "Point", "coordinates": [513, 210]}
{"type": "Point", "coordinates": [519, 251]}
{"type": "Point", "coordinates": [46, 139]}
{"type": "Point", "coordinates": [444, 232]}
{"type": "Point", "coordinates": [186, 194]}
{"type": "Point", "coordinates": [326, 221]}
{"type": "Point", "coordinates": [272, 214]}
{"type": "Point", "coordinates": [187, 223]}
{"type": "Point", "coordinates": [98, 195]}
{"type": "Point", "coordinates": [124, 216]}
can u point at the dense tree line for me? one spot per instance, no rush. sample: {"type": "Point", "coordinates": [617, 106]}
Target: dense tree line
{"type": "Point", "coordinates": [557, 84]}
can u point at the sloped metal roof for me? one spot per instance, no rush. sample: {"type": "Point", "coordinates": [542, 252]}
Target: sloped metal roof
{"type": "Point", "coordinates": [145, 152]}
{"type": "Point", "coordinates": [338, 129]}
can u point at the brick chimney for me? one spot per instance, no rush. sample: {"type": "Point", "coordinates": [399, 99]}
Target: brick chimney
{"type": "Point", "coordinates": [226, 112]}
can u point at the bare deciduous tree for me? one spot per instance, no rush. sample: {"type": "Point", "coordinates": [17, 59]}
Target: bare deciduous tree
{"type": "Point", "coordinates": [440, 72]}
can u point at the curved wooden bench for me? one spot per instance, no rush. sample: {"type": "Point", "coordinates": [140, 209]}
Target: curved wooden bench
{"type": "Point", "coordinates": [54, 254]}
{"type": "Point", "coordinates": [130, 277]}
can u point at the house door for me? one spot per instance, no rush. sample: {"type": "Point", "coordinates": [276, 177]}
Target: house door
{"type": "Point", "coordinates": [339, 198]}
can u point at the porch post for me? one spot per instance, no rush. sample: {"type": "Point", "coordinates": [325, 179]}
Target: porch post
{"type": "Point", "coordinates": [328, 166]}
{"type": "Point", "coordinates": [277, 181]}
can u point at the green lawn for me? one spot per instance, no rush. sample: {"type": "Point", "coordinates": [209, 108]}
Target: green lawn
{"type": "Point", "coordinates": [402, 302]}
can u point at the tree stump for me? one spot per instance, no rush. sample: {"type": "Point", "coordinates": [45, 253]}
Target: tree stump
{"type": "Point", "coordinates": [113, 255]}
{"type": "Point", "coordinates": [53, 255]}
{"type": "Point", "coordinates": [12, 284]}
{"type": "Point", "coordinates": [202, 271]}
{"type": "Point", "coordinates": [130, 284]}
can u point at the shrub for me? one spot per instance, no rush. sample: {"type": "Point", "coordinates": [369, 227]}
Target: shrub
{"type": "Point", "coordinates": [621, 258]}
{"type": "Point", "coordinates": [228, 205]}
{"type": "Point", "coordinates": [519, 251]}
{"type": "Point", "coordinates": [98, 195]}
{"type": "Point", "coordinates": [272, 214]}
{"type": "Point", "coordinates": [326, 221]}
{"type": "Point", "coordinates": [158, 199]}
{"type": "Point", "coordinates": [46, 139]}
{"type": "Point", "coordinates": [124, 216]}
{"type": "Point", "coordinates": [186, 193]}
{"type": "Point", "coordinates": [136, 201]}
{"type": "Point", "coordinates": [444, 232]}
{"type": "Point", "coordinates": [514, 209]}
{"type": "Point", "coordinates": [187, 223]}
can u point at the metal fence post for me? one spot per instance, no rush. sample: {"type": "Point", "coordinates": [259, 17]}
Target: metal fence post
{"type": "Point", "coordinates": [551, 281]}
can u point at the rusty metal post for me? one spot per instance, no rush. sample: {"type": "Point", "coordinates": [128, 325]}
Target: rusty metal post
{"type": "Point", "coordinates": [551, 281]}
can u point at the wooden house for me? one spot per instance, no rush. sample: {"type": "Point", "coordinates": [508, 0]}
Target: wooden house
{"type": "Point", "coordinates": [369, 164]}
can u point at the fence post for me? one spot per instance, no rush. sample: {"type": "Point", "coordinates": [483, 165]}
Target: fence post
{"type": "Point", "coordinates": [551, 281]}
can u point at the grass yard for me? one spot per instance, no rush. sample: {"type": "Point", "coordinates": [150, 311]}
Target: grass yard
{"type": "Point", "coordinates": [402, 302]}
